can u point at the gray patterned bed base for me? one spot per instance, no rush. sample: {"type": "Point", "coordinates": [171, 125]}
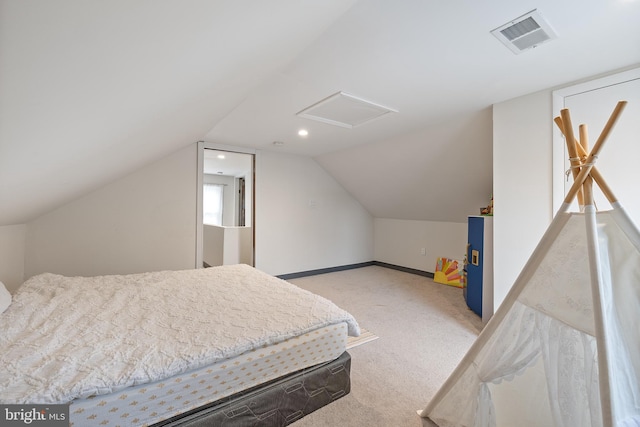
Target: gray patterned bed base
{"type": "Point", "coordinates": [277, 403]}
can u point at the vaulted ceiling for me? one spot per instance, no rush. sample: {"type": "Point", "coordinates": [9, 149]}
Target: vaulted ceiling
{"type": "Point", "coordinates": [92, 90]}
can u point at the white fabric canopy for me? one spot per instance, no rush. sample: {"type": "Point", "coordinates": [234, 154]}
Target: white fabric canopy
{"type": "Point", "coordinates": [553, 316]}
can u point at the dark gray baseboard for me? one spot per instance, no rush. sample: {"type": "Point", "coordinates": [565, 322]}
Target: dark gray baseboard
{"type": "Point", "coordinates": [353, 266]}
{"type": "Point", "coordinates": [325, 270]}
{"type": "Point", "coordinates": [405, 269]}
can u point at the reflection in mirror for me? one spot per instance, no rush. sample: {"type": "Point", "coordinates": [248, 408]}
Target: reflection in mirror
{"type": "Point", "coordinates": [227, 196]}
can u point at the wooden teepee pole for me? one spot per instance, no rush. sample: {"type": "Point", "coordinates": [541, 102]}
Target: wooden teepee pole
{"type": "Point", "coordinates": [587, 187]}
{"type": "Point", "coordinates": [595, 173]}
{"type": "Point", "coordinates": [597, 177]}
{"type": "Point", "coordinates": [588, 164]}
{"type": "Point", "coordinates": [570, 140]}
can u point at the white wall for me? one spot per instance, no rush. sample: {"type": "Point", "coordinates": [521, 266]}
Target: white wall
{"type": "Point", "coordinates": [400, 242]}
{"type": "Point", "coordinates": [227, 245]}
{"type": "Point", "coordinates": [12, 241]}
{"type": "Point", "coordinates": [147, 221]}
{"type": "Point", "coordinates": [238, 245]}
{"type": "Point", "coordinates": [522, 183]}
{"type": "Point", "coordinates": [142, 222]}
{"type": "Point", "coordinates": [304, 219]}
{"type": "Point", "coordinates": [213, 245]}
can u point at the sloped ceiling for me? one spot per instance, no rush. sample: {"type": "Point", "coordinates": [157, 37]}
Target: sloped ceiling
{"type": "Point", "coordinates": [92, 90]}
{"type": "Point", "coordinates": [442, 173]}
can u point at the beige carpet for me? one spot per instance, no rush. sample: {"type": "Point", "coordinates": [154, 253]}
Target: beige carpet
{"type": "Point", "coordinates": [424, 329]}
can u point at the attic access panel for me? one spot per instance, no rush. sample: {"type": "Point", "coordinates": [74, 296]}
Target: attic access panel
{"type": "Point", "coordinates": [525, 32]}
{"type": "Point", "coordinates": [345, 110]}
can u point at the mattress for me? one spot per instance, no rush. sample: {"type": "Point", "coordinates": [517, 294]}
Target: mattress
{"type": "Point", "coordinates": [138, 349]}
{"type": "Point", "coordinates": [147, 404]}
{"type": "Point", "coordinates": [70, 338]}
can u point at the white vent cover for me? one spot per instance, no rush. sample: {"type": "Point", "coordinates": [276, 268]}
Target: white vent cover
{"type": "Point", "coordinates": [525, 32]}
{"type": "Point", "coordinates": [342, 109]}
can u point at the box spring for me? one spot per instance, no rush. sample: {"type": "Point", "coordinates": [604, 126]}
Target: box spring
{"type": "Point", "coordinates": [277, 403]}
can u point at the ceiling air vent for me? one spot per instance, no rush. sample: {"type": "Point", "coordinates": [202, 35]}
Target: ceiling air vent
{"type": "Point", "coordinates": [525, 32]}
{"type": "Point", "coordinates": [342, 109]}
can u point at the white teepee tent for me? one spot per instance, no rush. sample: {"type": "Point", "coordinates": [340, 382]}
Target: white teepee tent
{"type": "Point", "coordinates": [564, 347]}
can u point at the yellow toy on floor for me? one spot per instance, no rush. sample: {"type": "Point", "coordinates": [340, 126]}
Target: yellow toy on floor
{"type": "Point", "coordinates": [449, 272]}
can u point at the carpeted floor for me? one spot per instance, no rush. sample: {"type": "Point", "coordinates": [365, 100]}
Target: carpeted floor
{"type": "Point", "coordinates": [424, 329]}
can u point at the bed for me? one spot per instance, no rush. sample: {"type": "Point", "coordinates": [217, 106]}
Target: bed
{"type": "Point", "coordinates": [215, 346]}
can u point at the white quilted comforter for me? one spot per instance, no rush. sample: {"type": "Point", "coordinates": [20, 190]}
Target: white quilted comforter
{"type": "Point", "coordinates": [72, 337]}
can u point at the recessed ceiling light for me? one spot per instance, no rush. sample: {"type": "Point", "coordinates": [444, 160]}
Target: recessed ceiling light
{"type": "Point", "coordinates": [221, 156]}
{"type": "Point", "coordinates": [303, 132]}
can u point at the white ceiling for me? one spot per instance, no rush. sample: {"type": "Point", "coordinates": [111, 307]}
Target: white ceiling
{"type": "Point", "coordinates": [92, 90]}
{"type": "Point", "coordinates": [217, 162]}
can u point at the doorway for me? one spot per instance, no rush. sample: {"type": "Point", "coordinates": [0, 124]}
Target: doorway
{"type": "Point", "coordinates": [225, 194]}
